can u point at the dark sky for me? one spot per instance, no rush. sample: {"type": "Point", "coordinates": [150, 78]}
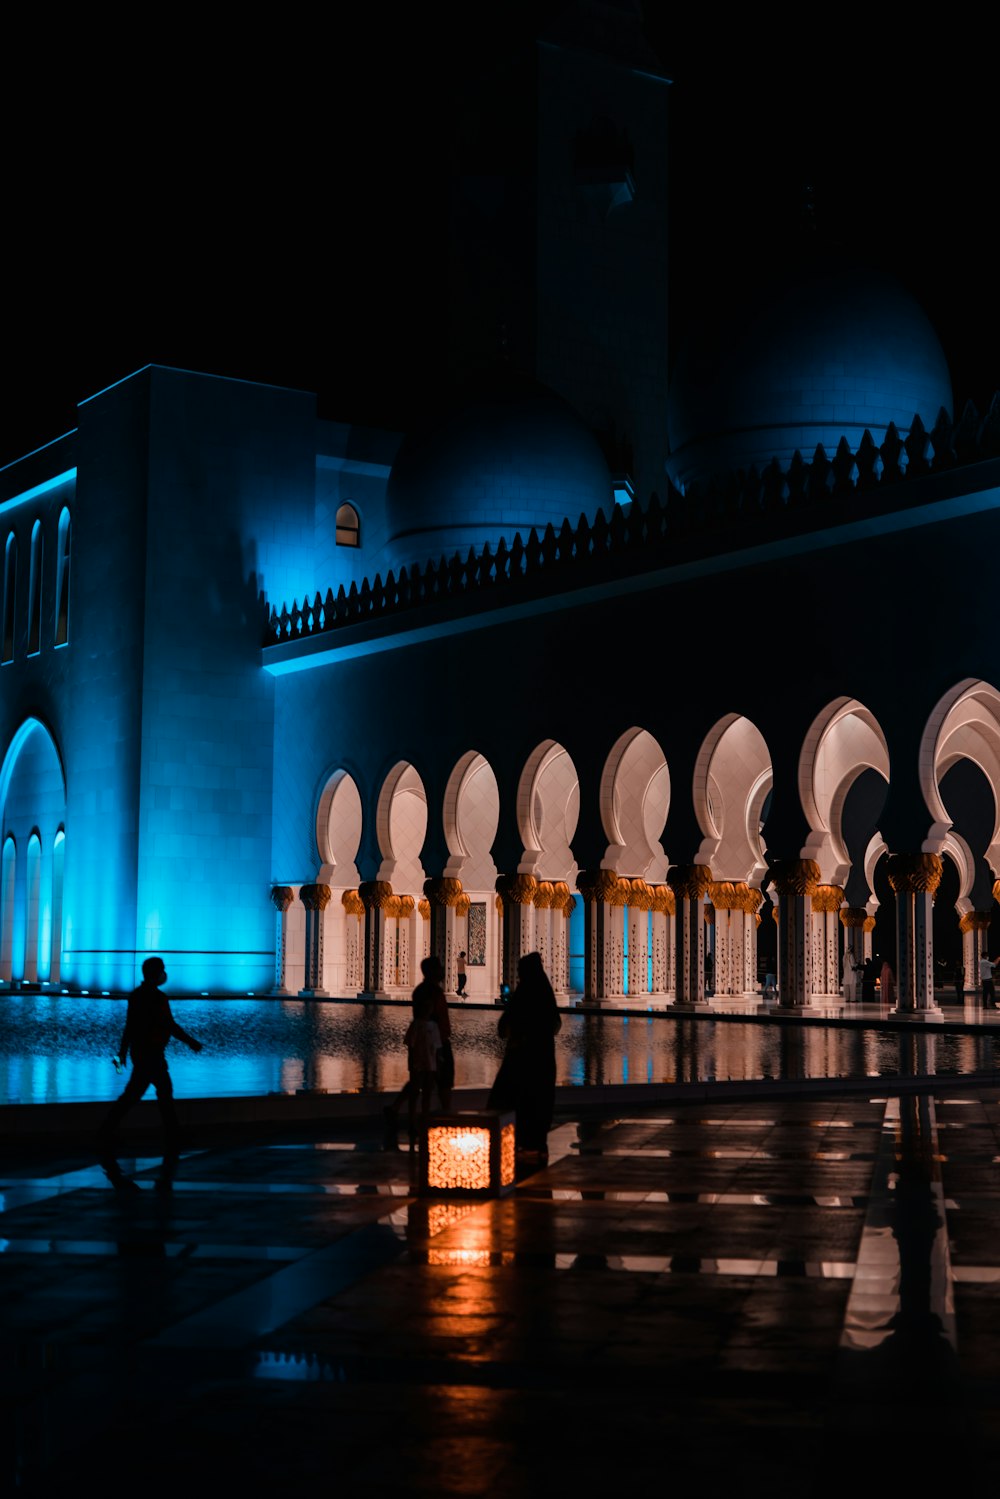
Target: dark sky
{"type": "Point", "coordinates": [269, 205]}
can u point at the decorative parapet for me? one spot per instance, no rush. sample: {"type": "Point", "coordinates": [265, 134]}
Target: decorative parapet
{"type": "Point", "coordinates": [749, 509]}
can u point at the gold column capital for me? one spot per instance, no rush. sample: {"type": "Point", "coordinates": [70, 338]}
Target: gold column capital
{"type": "Point", "coordinates": [544, 897]}
{"type": "Point", "coordinates": [282, 897]}
{"type": "Point", "coordinates": [315, 897]}
{"type": "Point", "coordinates": [795, 876]}
{"type": "Point", "coordinates": [663, 900]}
{"type": "Point", "coordinates": [975, 921]}
{"type": "Point", "coordinates": [517, 888]}
{"type": "Point", "coordinates": [853, 916]}
{"type": "Point", "coordinates": [443, 892]}
{"type": "Point", "coordinates": [689, 881]}
{"type": "Point", "coordinates": [828, 899]}
{"type": "Point", "coordinates": [915, 873]}
{"type": "Point", "coordinates": [640, 895]}
{"type": "Point", "coordinates": [352, 903]}
{"type": "Point", "coordinates": [722, 894]}
{"type": "Point", "coordinates": [598, 884]}
{"type": "Point", "coordinates": [375, 895]}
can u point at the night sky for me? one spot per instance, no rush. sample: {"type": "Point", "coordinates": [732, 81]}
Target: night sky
{"type": "Point", "coordinates": [271, 206]}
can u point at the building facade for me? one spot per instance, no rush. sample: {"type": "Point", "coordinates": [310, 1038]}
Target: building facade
{"type": "Point", "coordinates": [625, 675]}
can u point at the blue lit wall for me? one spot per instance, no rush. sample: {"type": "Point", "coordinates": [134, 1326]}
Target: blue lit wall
{"type": "Point", "coordinates": [192, 497]}
{"type": "Point", "coordinates": [231, 511]}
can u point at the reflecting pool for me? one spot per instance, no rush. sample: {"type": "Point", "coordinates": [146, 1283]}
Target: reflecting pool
{"type": "Point", "coordinates": [58, 1048]}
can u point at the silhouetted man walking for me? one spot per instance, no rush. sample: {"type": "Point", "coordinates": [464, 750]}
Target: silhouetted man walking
{"type": "Point", "coordinates": [149, 1026]}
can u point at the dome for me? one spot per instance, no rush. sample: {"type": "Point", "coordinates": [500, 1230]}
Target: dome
{"type": "Point", "coordinates": [825, 355]}
{"type": "Point", "coordinates": [510, 456]}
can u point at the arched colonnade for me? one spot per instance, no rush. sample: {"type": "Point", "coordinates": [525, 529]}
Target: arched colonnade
{"type": "Point", "coordinates": [628, 924]}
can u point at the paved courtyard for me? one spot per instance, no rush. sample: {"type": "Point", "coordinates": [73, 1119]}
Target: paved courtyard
{"type": "Point", "coordinates": [741, 1298]}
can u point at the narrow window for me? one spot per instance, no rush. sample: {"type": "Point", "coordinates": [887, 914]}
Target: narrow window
{"type": "Point", "coordinates": [35, 590]}
{"type": "Point", "coordinates": [62, 580]}
{"type": "Point", "coordinates": [7, 909]}
{"type": "Point", "coordinates": [31, 915]}
{"type": "Point", "coordinates": [9, 593]}
{"type": "Point", "coordinates": [348, 527]}
{"type": "Point", "coordinates": [58, 866]}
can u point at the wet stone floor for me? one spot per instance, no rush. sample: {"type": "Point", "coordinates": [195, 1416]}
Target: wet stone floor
{"type": "Point", "coordinates": [741, 1298]}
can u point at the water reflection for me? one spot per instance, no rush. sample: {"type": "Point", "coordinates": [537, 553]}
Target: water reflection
{"type": "Point", "coordinates": [58, 1048]}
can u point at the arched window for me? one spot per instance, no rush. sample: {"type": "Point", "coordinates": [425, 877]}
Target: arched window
{"type": "Point", "coordinates": [35, 590]}
{"type": "Point", "coordinates": [9, 596]}
{"type": "Point", "coordinates": [348, 527]}
{"type": "Point", "coordinates": [32, 909]}
{"type": "Point", "coordinates": [62, 580]}
{"type": "Point", "coordinates": [7, 872]}
{"type": "Point", "coordinates": [58, 867]}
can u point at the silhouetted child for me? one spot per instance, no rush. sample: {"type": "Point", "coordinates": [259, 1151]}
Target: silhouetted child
{"type": "Point", "coordinates": [423, 1041]}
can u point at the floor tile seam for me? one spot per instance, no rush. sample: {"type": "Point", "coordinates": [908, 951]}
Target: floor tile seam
{"type": "Point", "coordinates": [753, 1266]}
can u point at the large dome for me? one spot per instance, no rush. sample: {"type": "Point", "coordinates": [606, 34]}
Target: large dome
{"type": "Point", "coordinates": [510, 456]}
{"type": "Point", "coordinates": [825, 355]}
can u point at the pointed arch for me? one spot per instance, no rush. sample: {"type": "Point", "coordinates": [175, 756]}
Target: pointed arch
{"type": "Point", "coordinates": [732, 779]}
{"type": "Point", "coordinates": [634, 801]}
{"type": "Point", "coordinates": [844, 740]}
{"type": "Point", "coordinates": [471, 815]}
{"type": "Point", "coordinates": [401, 827]}
{"type": "Point", "coordinates": [339, 825]}
{"type": "Point", "coordinates": [964, 724]}
{"type": "Point", "coordinates": [548, 809]}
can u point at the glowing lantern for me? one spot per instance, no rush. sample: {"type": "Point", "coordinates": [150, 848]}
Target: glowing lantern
{"type": "Point", "coordinates": [467, 1155]}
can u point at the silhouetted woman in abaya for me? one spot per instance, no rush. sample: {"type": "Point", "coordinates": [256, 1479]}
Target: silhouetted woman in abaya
{"type": "Point", "coordinates": [526, 1081]}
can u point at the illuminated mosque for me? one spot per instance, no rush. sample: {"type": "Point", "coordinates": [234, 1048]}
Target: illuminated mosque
{"type": "Point", "coordinates": [639, 676]}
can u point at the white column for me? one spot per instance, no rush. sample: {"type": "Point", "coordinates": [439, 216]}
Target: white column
{"type": "Point", "coordinates": [658, 937]}
{"type": "Point", "coordinates": [795, 880]}
{"type": "Point", "coordinates": [315, 898]}
{"type": "Point", "coordinates": [826, 903]}
{"type": "Point", "coordinates": [517, 893]}
{"type": "Point", "coordinates": [281, 898]}
{"type": "Point", "coordinates": [604, 896]}
{"type": "Point", "coordinates": [689, 883]}
{"type": "Point", "coordinates": [354, 912]}
{"type": "Point", "coordinates": [915, 878]}
{"type": "Point", "coordinates": [852, 919]}
{"type": "Point", "coordinates": [640, 899]}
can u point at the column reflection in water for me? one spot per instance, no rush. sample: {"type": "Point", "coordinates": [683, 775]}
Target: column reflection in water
{"type": "Point", "coordinates": [900, 1323]}
{"type": "Point", "coordinates": [686, 1063]}
{"type": "Point", "coordinates": [593, 1049]}
{"type": "Point", "coordinates": [793, 1047]}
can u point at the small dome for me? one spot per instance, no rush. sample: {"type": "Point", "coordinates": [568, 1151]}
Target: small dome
{"type": "Point", "coordinates": [825, 355]}
{"type": "Point", "coordinates": [509, 457]}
